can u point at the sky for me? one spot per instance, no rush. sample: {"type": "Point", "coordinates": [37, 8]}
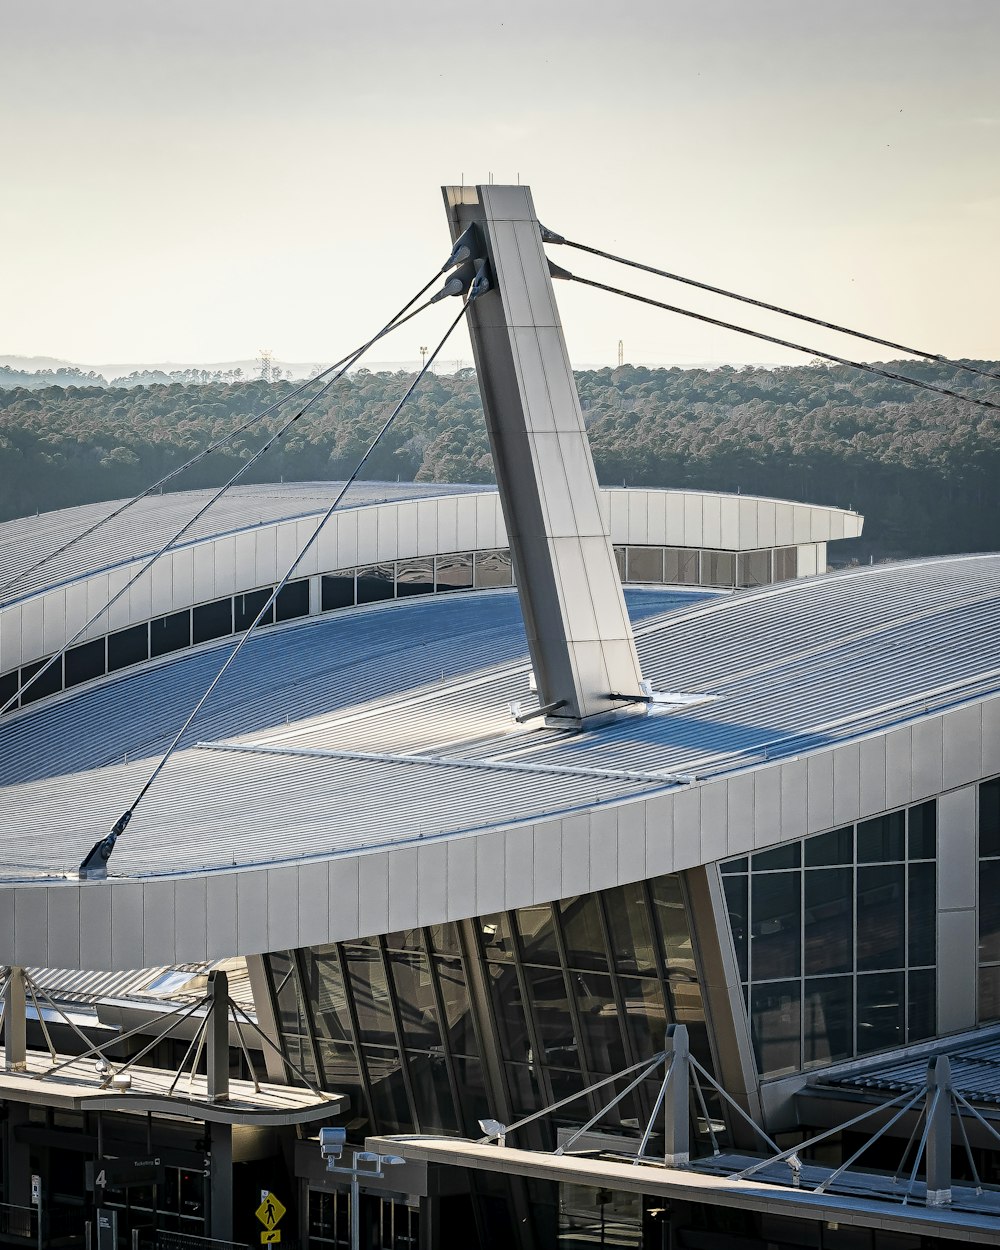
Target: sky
{"type": "Point", "coordinates": [196, 180]}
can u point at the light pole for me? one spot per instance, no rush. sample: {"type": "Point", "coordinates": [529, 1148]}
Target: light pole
{"type": "Point", "coordinates": [331, 1145]}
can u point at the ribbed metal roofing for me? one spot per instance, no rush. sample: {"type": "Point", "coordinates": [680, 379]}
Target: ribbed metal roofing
{"type": "Point", "coordinates": [146, 526]}
{"type": "Point", "coordinates": [975, 1071]}
{"type": "Point", "coordinates": [372, 725]}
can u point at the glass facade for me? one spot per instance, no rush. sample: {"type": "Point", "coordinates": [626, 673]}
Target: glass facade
{"type": "Point", "coordinates": [835, 939]}
{"type": "Point", "coordinates": [989, 900]}
{"type": "Point", "coordinates": [431, 1030]}
{"type": "Point", "coordinates": [391, 579]}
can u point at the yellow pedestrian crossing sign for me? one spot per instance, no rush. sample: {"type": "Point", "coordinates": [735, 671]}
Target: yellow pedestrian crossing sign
{"type": "Point", "coordinates": [269, 1213]}
{"type": "Point", "coordinates": [270, 1237]}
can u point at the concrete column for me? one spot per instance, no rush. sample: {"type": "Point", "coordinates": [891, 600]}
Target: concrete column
{"type": "Point", "coordinates": [14, 1029]}
{"type": "Point", "coordinates": [217, 1048]}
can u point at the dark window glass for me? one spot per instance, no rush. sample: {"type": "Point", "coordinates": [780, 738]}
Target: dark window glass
{"type": "Point", "coordinates": [787, 856]}
{"type": "Point", "coordinates": [391, 1107]}
{"type": "Point", "coordinates": [681, 566]}
{"type": "Point", "coordinates": [550, 1003]}
{"type": "Point", "coordinates": [645, 564]}
{"type": "Point", "coordinates": [922, 1006]}
{"type": "Point", "coordinates": [671, 921]}
{"type": "Point", "coordinates": [415, 577]}
{"type": "Point", "coordinates": [83, 663]}
{"type": "Point", "coordinates": [835, 847]}
{"type": "Point", "coordinates": [212, 620]}
{"type": "Point", "coordinates": [921, 831]}
{"type": "Point", "coordinates": [453, 572]}
{"type": "Point", "coordinates": [989, 911]}
{"type": "Point", "coordinates": [774, 1024]}
{"type": "Point", "coordinates": [880, 841]}
{"type": "Point", "coordinates": [496, 936]}
{"type": "Point", "coordinates": [337, 590]}
{"type": "Point", "coordinates": [718, 568]}
{"type": "Point", "coordinates": [602, 1028]}
{"type": "Point", "coordinates": [989, 817]}
{"type": "Point", "coordinates": [51, 681]}
{"type": "Point", "coordinates": [880, 917]}
{"type": "Point", "coordinates": [128, 646]}
{"type": "Point", "coordinates": [370, 992]}
{"type": "Point", "coordinates": [736, 865]}
{"type": "Point", "coordinates": [493, 568]}
{"type": "Point", "coordinates": [736, 889]}
{"type": "Point", "coordinates": [538, 939]}
{"type": "Point", "coordinates": [170, 633]}
{"type": "Point", "coordinates": [989, 993]}
{"type": "Point", "coordinates": [432, 1092]}
{"type": "Point", "coordinates": [628, 922]}
{"type": "Point", "coordinates": [376, 582]}
{"type": "Point", "coordinates": [786, 563]}
{"type": "Point", "coordinates": [922, 914]}
{"type": "Point", "coordinates": [828, 1019]}
{"type": "Point", "coordinates": [581, 921]}
{"type": "Point", "coordinates": [620, 561]}
{"type": "Point", "coordinates": [411, 978]}
{"type": "Point", "coordinates": [458, 1024]}
{"type": "Point", "coordinates": [828, 921]}
{"type": "Point", "coordinates": [8, 687]}
{"type": "Point", "coordinates": [246, 607]}
{"type": "Point", "coordinates": [754, 568]}
{"type": "Point", "coordinates": [774, 931]}
{"type": "Point", "coordinates": [293, 600]}
{"type": "Point", "coordinates": [645, 1015]}
{"type": "Point", "coordinates": [880, 1011]}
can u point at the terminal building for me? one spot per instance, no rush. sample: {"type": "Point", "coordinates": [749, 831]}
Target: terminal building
{"type": "Point", "coordinates": [609, 811]}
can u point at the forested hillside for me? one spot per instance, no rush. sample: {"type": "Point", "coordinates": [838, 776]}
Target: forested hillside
{"type": "Point", "coordinates": [923, 469]}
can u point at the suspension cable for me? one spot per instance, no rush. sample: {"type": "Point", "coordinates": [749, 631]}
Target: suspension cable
{"type": "Point", "coordinates": [550, 237]}
{"type": "Point", "coordinates": [770, 338]}
{"type": "Point", "coordinates": [177, 535]}
{"type": "Point", "coordinates": [101, 851]}
{"type": "Point", "coordinates": [207, 451]}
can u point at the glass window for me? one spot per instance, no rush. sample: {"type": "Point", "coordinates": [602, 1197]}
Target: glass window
{"type": "Point", "coordinates": [880, 1011]}
{"type": "Point", "coordinates": [415, 577]}
{"type": "Point", "coordinates": [828, 921]}
{"type": "Point", "coordinates": [774, 1025]}
{"type": "Point", "coordinates": [786, 563]}
{"type": "Point", "coordinates": [82, 663]}
{"type": "Point", "coordinates": [493, 568]}
{"type": "Point", "coordinates": [212, 620]}
{"type": "Point", "coordinates": [246, 607]}
{"type": "Point", "coordinates": [921, 912]}
{"type": "Point", "coordinates": [989, 817]}
{"type": "Point", "coordinates": [828, 1019]}
{"type": "Point", "coordinates": [737, 904]}
{"type": "Point", "coordinates": [881, 901]}
{"type": "Point", "coordinates": [628, 922]}
{"type": "Point", "coordinates": [681, 566]}
{"type": "Point", "coordinates": [337, 590]}
{"type": "Point", "coordinates": [775, 913]}
{"type": "Point", "coordinates": [49, 683]}
{"type": "Point", "coordinates": [718, 568]}
{"type": "Point", "coordinates": [645, 564]}
{"type": "Point", "coordinates": [170, 633]}
{"type": "Point", "coordinates": [880, 840]}
{"type": "Point", "coordinates": [922, 1004]}
{"type": "Point", "coordinates": [836, 847]}
{"type": "Point", "coordinates": [921, 831]}
{"type": "Point", "coordinates": [293, 600]}
{"type": "Point", "coordinates": [128, 646]}
{"type": "Point", "coordinates": [581, 921]}
{"type": "Point", "coordinates": [538, 939]}
{"type": "Point", "coordinates": [376, 582]}
{"type": "Point", "coordinates": [754, 568]}
{"type": "Point", "coordinates": [671, 921]}
{"type": "Point", "coordinates": [453, 572]}
{"type": "Point", "coordinates": [787, 856]}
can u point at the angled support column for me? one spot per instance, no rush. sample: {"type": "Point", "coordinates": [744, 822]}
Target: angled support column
{"type": "Point", "coordinates": [579, 634]}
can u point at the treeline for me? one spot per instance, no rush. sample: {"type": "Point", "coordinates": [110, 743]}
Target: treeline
{"type": "Point", "coordinates": [924, 469]}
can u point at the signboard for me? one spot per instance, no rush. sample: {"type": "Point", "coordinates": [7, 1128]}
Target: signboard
{"type": "Point", "coordinates": [269, 1213]}
{"type": "Point", "coordinates": [121, 1173]}
{"type": "Point", "coordinates": [107, 1229]}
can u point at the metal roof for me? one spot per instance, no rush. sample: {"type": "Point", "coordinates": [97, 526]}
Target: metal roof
{"type": "Point", "coordinates": [374, 725]}
{"type": "Point", "coordinates": [147, 525]}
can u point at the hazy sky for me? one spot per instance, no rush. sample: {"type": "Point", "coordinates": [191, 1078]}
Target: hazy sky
{"type": "Point", "coordinates": [196, 179]}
